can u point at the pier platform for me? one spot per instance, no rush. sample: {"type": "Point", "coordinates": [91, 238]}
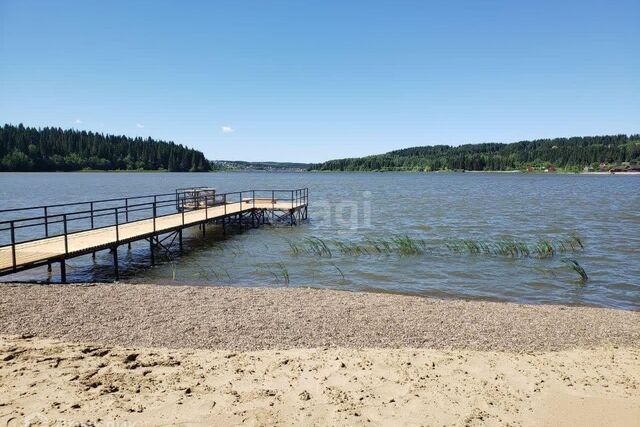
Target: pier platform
{"type": "Point", "coordinates": [42, 235]}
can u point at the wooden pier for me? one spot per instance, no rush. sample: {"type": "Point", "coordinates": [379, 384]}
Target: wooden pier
{"type": "Point", "coordinates": [42, 235]}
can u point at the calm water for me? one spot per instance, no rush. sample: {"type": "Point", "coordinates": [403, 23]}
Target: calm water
{"type": "Point", "coordinates": [602, 210]}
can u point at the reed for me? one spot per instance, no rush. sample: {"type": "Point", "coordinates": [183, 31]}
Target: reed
{"type": "Point", "coordinates": [350, 248]}
{"type": "Point", "coordinates": [406, 245]}
{"type": "Point", "coordinates": [294, 248]}
{"type": "Point", "coordinates": [339, 271]}
{"type": "Point", "coordinates": [575, 266]}
{"type": "Point", "coordinates": [278, 270]}
{"type": "Point", "coordinates": [316, 246]}
{"type": "Point", "coordinates": [544, 248]}
{"type": "Point", "coordinates": [283, 272]}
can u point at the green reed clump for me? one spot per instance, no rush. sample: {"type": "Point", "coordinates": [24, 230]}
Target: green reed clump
{"type": "Point", "coordinates": [310, 246]}
{"type": "Point", "coordinates": [284, 273]}
{"type": "Point", "coordinates": [380, 246]}
{"type": "Point", "coordinates": [351, 248]}
{"type": "Point", "coordinates": [406, 245]}
{"type": "Point", "coordinates": [295, 248]}
{"type": "Point", "coordinates": [575, 266]}
{"type": "Point", "coordinates": [544, 248]}
{"type": "Point", "coordinates": [570, 244]}
{"type": "Point", "coordinates": [317, 246]}
{"type": "Point", "coordinates": [278, 270]}
{"type": "Point", "coordinates": [511, 248]}
{"type": "Point", "coordinates": [472, 246]}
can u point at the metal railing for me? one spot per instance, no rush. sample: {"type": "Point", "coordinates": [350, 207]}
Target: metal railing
{"type": "Point", "coordinates": [66, 219]}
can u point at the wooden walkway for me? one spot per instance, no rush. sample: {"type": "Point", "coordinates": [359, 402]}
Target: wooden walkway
{"type": "Point", "coordinates": [21, 256]}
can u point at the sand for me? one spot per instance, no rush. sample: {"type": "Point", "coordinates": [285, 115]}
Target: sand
{"type": "Point", "coordinates": [65, 383]}
{"type": "Point", "coordinates": [163, 355]}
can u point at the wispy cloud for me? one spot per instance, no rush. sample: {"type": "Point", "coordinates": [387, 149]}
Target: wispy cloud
{"type": "Point", "coordinates": [227, 129]}
{"type": "Point", "coordinates": [77, 121]}
{"type": "Point", "coordinates": [139, 125]}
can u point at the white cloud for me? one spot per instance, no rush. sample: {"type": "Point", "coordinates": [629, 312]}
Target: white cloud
{"type": "Point", "coordinates": [227, 129]}
{"type": "Point", "coordinates": [77, 121]}
{"type": "Point", "coordinates": [139, 125]}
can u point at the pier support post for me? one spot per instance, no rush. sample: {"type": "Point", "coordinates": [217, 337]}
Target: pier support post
{"type": "Point", "coordinates": [180, 239]}
{"type": "Point", "coordinates": [49, 268]}
{"type": "Point", "coordinates": [153, 260]}
{"type": "Point", "coordinates": [63, 271]}
{"type": "Point", "coordinates": [115, 262]}
{"type": "Point", "coordinates": [203, 230]}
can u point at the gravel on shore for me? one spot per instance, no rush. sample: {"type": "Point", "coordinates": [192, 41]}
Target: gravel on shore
{"type": "Point", "coordinates": [243, 319]}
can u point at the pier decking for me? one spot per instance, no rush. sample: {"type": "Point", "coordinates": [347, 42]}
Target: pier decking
{"type": "Point", "coordinates": [68, 230]}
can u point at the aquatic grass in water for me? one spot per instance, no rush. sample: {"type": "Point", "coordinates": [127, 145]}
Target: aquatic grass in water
{"type": "Point", "coordinates": [283, 272]}
{"type": "Point", "coordinates": [278, 270]}
{"type": "Point", "coordinates": [316, 246]}
{"type": "Point", "coordinates": [544, 248]}
{"type": "Point", "coordinates": [407, 245]}
{"type": "Point", "coordinates": [575, 266]}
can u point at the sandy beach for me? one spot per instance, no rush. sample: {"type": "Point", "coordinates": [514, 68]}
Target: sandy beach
{"type": "Point", "coordinates": [164, 355]}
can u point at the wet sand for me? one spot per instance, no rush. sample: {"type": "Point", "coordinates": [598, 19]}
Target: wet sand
{"type": "Point", "coordinates": [244, 319]}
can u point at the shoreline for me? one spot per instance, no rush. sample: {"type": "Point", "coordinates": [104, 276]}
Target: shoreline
{"type": "Point", "coordinates": [140, 355]}
{"type": "Point", "coordinates": [518, 171]}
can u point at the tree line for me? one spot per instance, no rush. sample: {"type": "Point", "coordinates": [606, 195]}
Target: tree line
{"type": "Point", "coordinates": [54, 149]}
{"type": "Point", "coordinates": [570, 154]}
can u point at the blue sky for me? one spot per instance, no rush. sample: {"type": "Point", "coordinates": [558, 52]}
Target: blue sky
{"type": "Point", "coordinates": [314, 80]}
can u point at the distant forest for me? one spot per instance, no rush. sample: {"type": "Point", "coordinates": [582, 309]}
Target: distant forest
{"type": "Point", "coordinates": [569, 154]}
{"type": "Point", "coordinates": [54, 149]}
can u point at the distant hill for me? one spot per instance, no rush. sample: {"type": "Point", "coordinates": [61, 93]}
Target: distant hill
{"type": "Point", "coordinates": [54, 149]}
{"type": "Point", "coordinates": [234, 165]}
{"type": "Point", "coordinates": [570, 154]}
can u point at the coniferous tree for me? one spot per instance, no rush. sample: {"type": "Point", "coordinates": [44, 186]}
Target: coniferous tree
{"type": "Point", "coordinates": [53, 149]}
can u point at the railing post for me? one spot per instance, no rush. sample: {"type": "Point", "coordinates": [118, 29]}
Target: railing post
{"type": "Point", "coordinates": [253, 194]}
{"type": "Point", "coordinates": [291, 199]}
{"type": "Point", "coordinates": [154, 216]}
{"type": "Point", "coordinates": [46, 223]}
{"type": "Point", "coordinates": [91, 215]}
{"type": "Point", "coordinates": [241, 202]}
{"type": "Point", "coordinates": [117, 232]}
{"type": "Point", "coordinates": [13, 244]}
{"type": "Point", "coordinates": [126, 210]}
{"type": "Point", "coordinates": [273, 200]}
{"type": "Point", "coordinates": [224, 200]}
{"type": "Point", "coordinates": [182, 211]}
{"type": "Point", "coordinates": [206, 209]}
{"type": "Point", "coordinates": [66, 239]}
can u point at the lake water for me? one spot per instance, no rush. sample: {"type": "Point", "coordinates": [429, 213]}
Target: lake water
{"type": "Point", "coordinates": [603, 211]}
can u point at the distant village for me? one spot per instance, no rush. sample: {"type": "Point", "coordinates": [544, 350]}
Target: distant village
{"type": "Point", "coordinates": [235, 165]}
{"type": "Point", "coordinates": [624, 167]}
